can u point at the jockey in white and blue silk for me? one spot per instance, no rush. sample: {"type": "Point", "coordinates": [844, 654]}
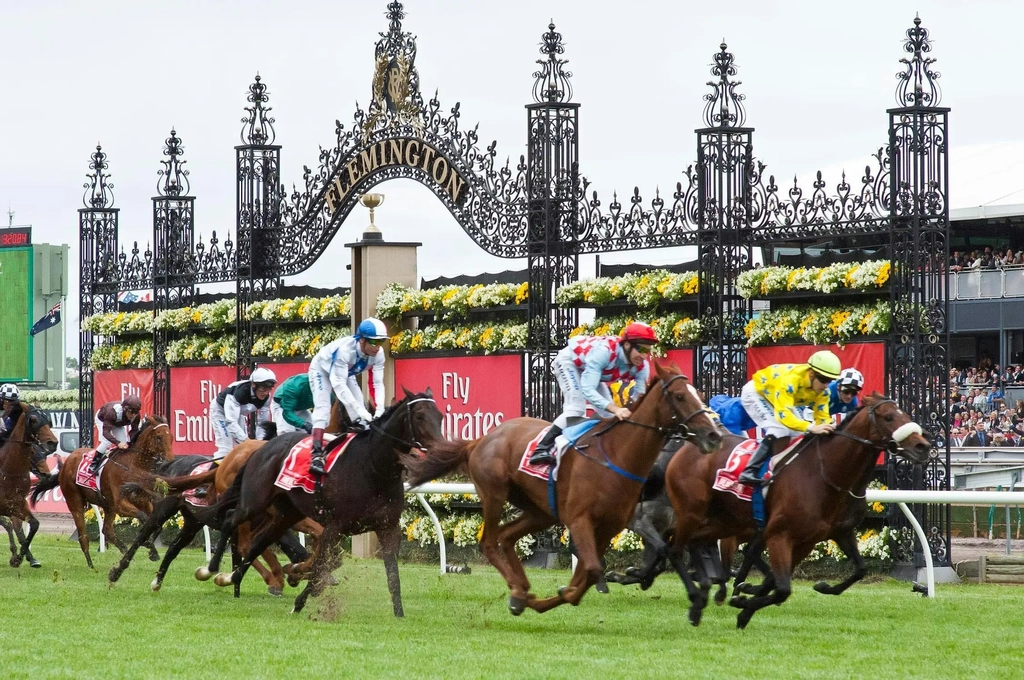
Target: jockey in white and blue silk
{"type": "Point", "coordinates": [843, 392]}
{"type": "Point", "coordinates": [585, 368]}
{"type": "Point", "coordinates": [334, 368]}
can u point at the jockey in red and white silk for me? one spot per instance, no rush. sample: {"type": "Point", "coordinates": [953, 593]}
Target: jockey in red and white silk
{"type": "Point", "coordinates": [584, 370]}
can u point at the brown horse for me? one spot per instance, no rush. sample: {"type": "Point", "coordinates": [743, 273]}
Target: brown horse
{"type": "Point", "coordinates": [598, 483]}
{"type": "Point", "coordinates": [31, 427]}
{"type": "Point", "coordinates": [151, 445]}
{"type": "Point", "coordinates": [808, 500]}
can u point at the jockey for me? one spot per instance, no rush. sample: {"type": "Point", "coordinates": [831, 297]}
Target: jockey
{"type": "Point", "coordinates": [113, 420]}
{"type": "Point", "coordinates": [585, 368]}
{"type": "Point", "coordinates": [292, 405]}
{"type": "Point", "coordinates": [230, 410]}
{"type": "Point", "coordinates": [9, 398]}
{"type": "Point", "coordinates": [774, 396]}
{"type": "Point", "coordinates": [843, 392]}
{"type": "Point", "coordinates": [334, 369]}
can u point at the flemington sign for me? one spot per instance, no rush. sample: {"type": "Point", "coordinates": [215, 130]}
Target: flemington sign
{"type": "Point", "coordinates": [409, 153]}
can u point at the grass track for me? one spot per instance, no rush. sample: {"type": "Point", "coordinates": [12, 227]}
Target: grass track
{"type": "Point", "coordinates": [63, 621]}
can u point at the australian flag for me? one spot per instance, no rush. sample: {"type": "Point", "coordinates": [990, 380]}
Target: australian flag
{"type": "Point", "coordinates": [51, 319]}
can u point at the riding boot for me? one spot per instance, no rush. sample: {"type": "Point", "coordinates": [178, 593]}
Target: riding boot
{"type": "Point", "coordinates": [543, 455]}
{"type": "Point", "coordinates": [97, 460]}
{"type": "Point", "coordinates": [316, 463]}
{"type": "Point", "coordinates": [750, 473]}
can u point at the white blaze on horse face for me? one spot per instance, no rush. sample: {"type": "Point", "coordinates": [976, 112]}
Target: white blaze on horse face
{"type": "Point", "coordinates": [695, 393]}
{"type": "Point", "coordinates": [905, 430]}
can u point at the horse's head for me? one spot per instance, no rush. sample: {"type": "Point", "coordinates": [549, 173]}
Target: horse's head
{"type": "Point", "coordinates": [413, 420]}
{"type": "Point", "coordinates": [37, 429]}
{"type": "Point", "coordinates": [682, 410]}
{"type": "Point", "coordinates": [154, 438]}
{"type": "Point", "coordinates": [892, 429]}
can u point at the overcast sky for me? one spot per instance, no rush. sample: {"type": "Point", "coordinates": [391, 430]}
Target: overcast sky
{"type": "Point", "coordinates": [818, 77]}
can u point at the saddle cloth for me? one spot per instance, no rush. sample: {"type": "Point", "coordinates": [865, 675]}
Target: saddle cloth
{"type": "Point", "coordinates": [570, 435]}
{"type": "Point", "coordinates": [190, 495]}
{"type": "Point", "coordinates": [726, 478]}
{"type": "Point", "coordinates": [295, 469]}
{"type": "Point", "coordinates": [84, 477]}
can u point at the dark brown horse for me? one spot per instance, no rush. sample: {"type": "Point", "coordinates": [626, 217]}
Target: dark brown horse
{"type": "Point", "coordinates": [151, 445]}
{"type": "Point", "coordinates": [31, 427]}
{"type": "Point", "coordinates": [598, 481]}
{"type": "Point", "coordinates": [362, 492]}
{"type": "Point", "coordinates": [809, 500]}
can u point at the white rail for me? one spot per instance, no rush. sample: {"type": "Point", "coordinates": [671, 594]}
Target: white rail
{"type": "Point", "coordinates": [900, 497]}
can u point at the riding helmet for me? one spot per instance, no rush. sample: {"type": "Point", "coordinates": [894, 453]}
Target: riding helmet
{"type": "Point", "coordinates": [371, 329]}
{"type": "Point", "coordinates": [9, 392]}
{"type": "Point", "coordinates": [825, 363]}
{"type": "Point", "coordinates": [639, 332]}
{"type": "Point", "coordinates": [132, 402]}
{"type": "Point", "coordinates": [263, 377]}
{"type": "Point", "coordinates": [851, 378]}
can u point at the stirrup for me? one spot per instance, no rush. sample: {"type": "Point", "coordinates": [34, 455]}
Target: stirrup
{"type": "Point", "coordinates": [316, 467]}
{"type": "Point", "coordinates": [751, 480]}
{"type": "Point", "coordinates": [542, 458]}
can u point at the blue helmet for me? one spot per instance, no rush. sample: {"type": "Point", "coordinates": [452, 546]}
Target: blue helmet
{"type": "Point", "coordinates": [371, 329]}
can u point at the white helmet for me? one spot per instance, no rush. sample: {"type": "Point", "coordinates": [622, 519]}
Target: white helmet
{"type": "Point", "coordinates": [9, 392]}
{"type": "Point", "coordinates": [263, 377]}
{"type": "Point", "coordinates": [851, 377]}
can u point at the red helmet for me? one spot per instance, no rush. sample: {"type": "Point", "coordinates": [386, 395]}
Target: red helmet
{"type": "Point", "coordinates": [639, 332]}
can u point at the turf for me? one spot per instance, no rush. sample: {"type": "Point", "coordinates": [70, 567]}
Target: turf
{"type": "Point", "coordinates": [64, 621]}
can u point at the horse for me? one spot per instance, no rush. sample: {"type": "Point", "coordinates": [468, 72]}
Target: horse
{"type": "Point", "coordinates": [362, 492]}
{"type": "Point", "coordinates": [151, 445]}
{"type": "Point", "coordinates": [809, 498]}
{"type": "Point", "coordinates": [196, 517]}
{"type": "Point", "coordinates": [31, 427]}
{"type": "Point", "coordinates": [597, 488]}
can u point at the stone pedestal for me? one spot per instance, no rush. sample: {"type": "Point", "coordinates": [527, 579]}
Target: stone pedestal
{"type": "Point", "coordinates": [376, 263]}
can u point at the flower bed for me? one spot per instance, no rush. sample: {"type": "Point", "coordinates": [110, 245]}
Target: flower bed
{"type": "Point", "coordinates": [674, 330]}
{"type": "Point", "coordinates": [481, 337]}
{"type": "Point", "coordinates": [51, 400]}
{"type": "Point", "coordinates": [645, 289]}
{"type": "Point", "coordinates": [819, 325]}
{"type": "Point", "coordinates": [122, 355]}
{"type": "Point", "coordinates": [865, 276]}
{"type": "Point", "coordinates": [297, 343]}
{"type": "Point", "coordinates": [448, 302]}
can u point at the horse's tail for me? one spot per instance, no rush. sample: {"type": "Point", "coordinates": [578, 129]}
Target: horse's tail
{"type": "Point", "coordinates": [44, 485]}
{"type": "Point", "coordinates": [186, 482]}
{"type": "Point", "coordinates": [135, 492]}
{"type": "Point", "coordinates": [444, 457]}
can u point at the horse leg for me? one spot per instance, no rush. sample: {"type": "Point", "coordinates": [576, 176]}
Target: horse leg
{"type": "Point", "coordinates": [847, 542]}
{"type": "Point", "coordinates": [326, 559]}
{"type": "Point", "coordinates": [8, 525]}
{"type": "Point", "coordinates": [390, 539]}
{"type": "Point", "coordinates": [782, 557]}
{"type": "Point", "coordinates": [26, 542]}
{"type": "Point", "coordinates": [588, 570]}
{"type": "Point", "coordinates": [188, 531]}
{"type": "Point", "coordinates": [274, 576]}
{"type": "Point", "coordinates": [154, 556]}
{"type": "Point", "coordinates": [751, 557]}
{"type": "Point", "coordinates": [655, 549]}
{"type": "Point", "coordinates": [492, 507]}
{"type": "Point", "coordinates": [151, 525]}
{"type": "Point", "coordinates": [76, 504]}
{"type": "Point", "coordinates": [268, 534]}
{"type": "Point", "coordinates": [226, 529]}
{"type": "Point", "coordinates": [532, 520]}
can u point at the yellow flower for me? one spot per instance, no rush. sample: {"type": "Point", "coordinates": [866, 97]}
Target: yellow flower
{"type": "Point", "coordinates": [449, 296]}
{"type": "Point", "coordinates": [523, 293]}
{"type": "Point", "coordinates": [314, 345]}
{"type": "Point", "coordinates": [603, 329]}
{"type": "Point", "coordinates": [748, 330]}
{"type": "Point", "coordinates": [486, 335]}
{"type": "Point", "coordinates": [837, 320]}
{"type": "Point", "coordinates": [865, 324]}
{"type": "Point", "coordinates": [849, 276]}
{"type": "Point", "coordinates": [197, 316]}
{"type": "Point", "coordinates": [807, 322]}
{"type": "Point", "coordinates": [410, 531]}
{"type": "Point", "coordinates": [480, 533]}
{"type": "Point", "coordinates": [579, 330]}
{"type": "Point", "coordinates": [883, 274]}
{"type": "Point", "coordinates": [665, 283]}
{"type": "Point", "coordinates": [277, 345]}
{"type": "Point", "coordinates": [416, 341]}
{"type": "Point", "coordinates": [690, 286]}
{"type": "Point", "coordinates": [126, 355]}
{"type": "Point", "coordinates": [303, 306]}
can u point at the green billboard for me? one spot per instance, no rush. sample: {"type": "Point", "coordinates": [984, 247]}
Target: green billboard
{"type": "Point", "coordinates": [16, 293]}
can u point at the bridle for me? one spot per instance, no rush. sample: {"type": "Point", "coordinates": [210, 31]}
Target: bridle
{"type": "Point", "coordinates": [26, 414]}
{"type": "Point", "coordinates": [677, 428]}
{"type": "Point", "coordinates": [414, 443]}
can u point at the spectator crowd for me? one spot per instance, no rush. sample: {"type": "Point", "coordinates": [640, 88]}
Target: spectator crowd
{"type": "Point", "coordinates": [985, 259]}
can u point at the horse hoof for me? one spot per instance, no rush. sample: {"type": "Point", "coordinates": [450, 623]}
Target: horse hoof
{"type": "Point", "coordinates": [738, 602]}
{"type": "Point", "coordinates": [203, 574]}
{"type": "Point", "coordinates": [744, 618]}
{"type": "Point", "coordinates": [601, 587]}
{"type": "Point", "coordinates": [275, 591]}
{"type": "Point", "coordinates": [516, 605]}
{"type": "Point", "coordinates": [634, 572]}
{"type": "Point", "coordinates": [15, 562]}
{"type": "Point", "coordinates": [720, 598]}
{"type": "Point", "coordinates": [34, 563]}
{"type": "Point", "coordinates": [823, 588]}
{"type": "Point", "coordinates": [155, 584]}
{"type": "Point", "coordinates": [222, 579]}
{"type": "Point", "coordinates": [114, 574]}
{"type": "Point", "coordinates": [695, 615]}
{"type": "Point", "coordinates": [293, 580]}
{"type": "Point", "coordinates": [154, 556]}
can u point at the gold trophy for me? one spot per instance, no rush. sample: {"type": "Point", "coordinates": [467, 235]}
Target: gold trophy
{"type": "Point", "coordinates": [371, 201]}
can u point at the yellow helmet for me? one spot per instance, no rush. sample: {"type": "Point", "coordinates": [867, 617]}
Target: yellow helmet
{"type": "Point", "coordinates": [826, 363]}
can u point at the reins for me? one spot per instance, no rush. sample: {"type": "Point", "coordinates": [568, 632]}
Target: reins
{"type": "Point", "coordinates": [414, 443]}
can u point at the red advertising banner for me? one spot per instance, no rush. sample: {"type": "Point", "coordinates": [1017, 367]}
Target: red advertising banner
{"type": "Point", "coordinates": [193, 389]}
{"type": "Point", "coordinates": [116, 385]}
{"type": "Point", "coordinates": [474, 394]}
{"type": "Point", "coordinates": [866, 357]}
{"type": "Point", "coordinates": [685, 359]}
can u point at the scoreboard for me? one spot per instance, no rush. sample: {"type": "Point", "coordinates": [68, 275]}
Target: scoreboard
{"type": "Point", "coordinates": [16, 284]}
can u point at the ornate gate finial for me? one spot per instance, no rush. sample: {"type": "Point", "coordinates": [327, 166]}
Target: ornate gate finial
{"type": "Point", "coordinates": [98, 190]}
{"type": "Point", "coordinates": [724, 106]}
{"type": "Point", "coordinates": [917, 86]}
{"type": "Point", "coordinates": [175, 177]}
{"type": "Point", "coordinates": [258, 127]}
{"type": "Point", "coordinates": [552, 83]}
{"type": "Point", "coordinates": [395, 14]}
